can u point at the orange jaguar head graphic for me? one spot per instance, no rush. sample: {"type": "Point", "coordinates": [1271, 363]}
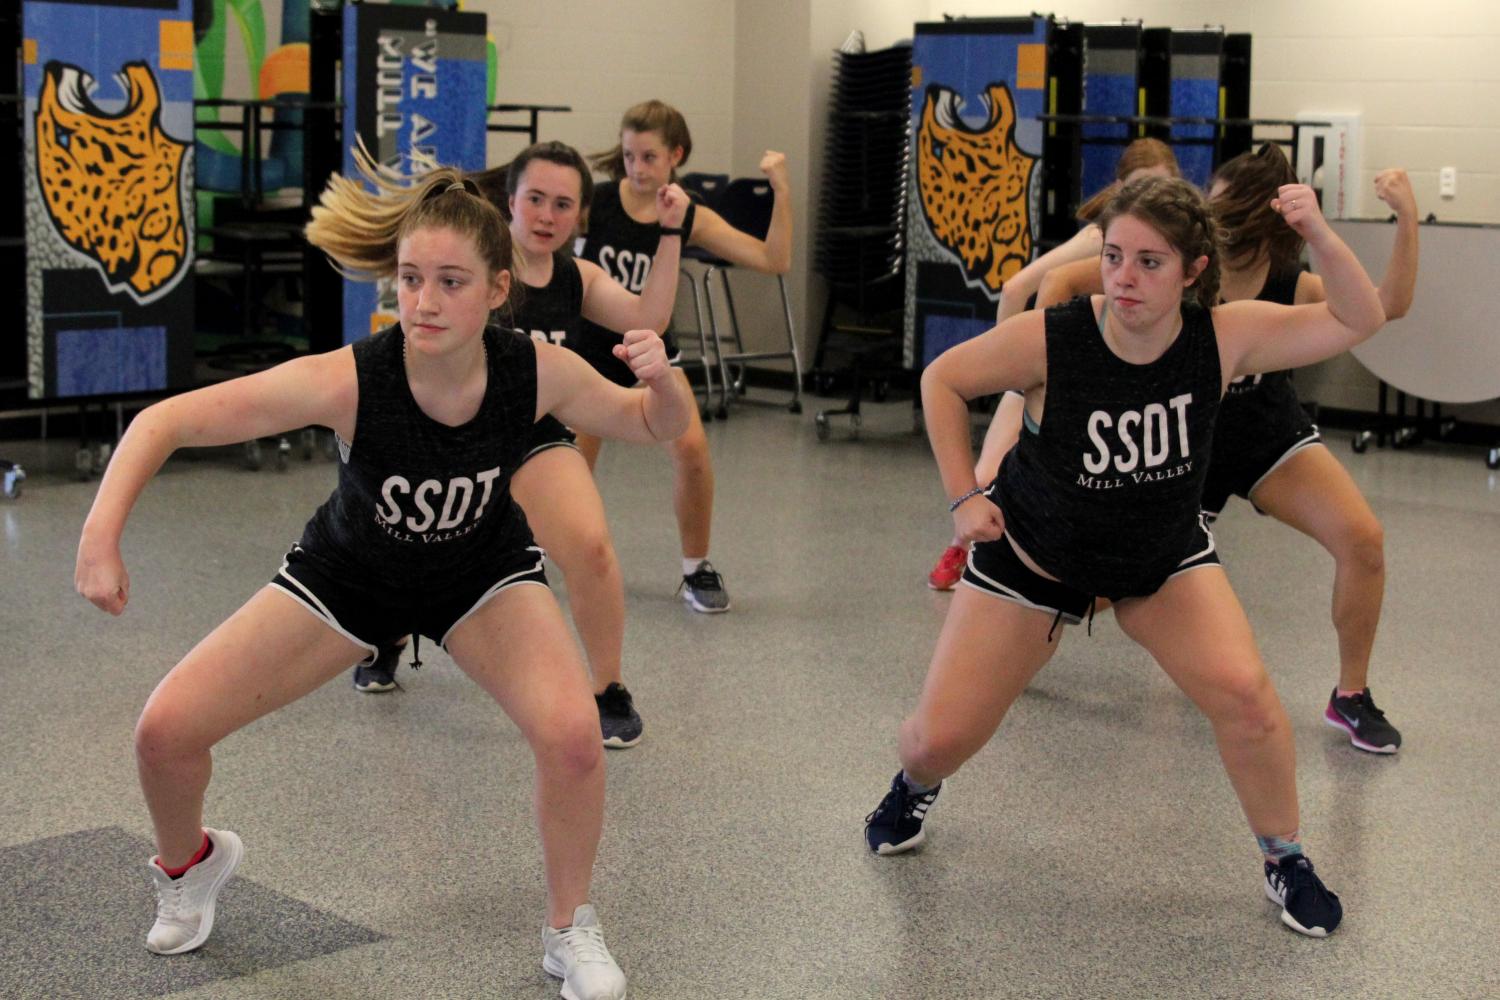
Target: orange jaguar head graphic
{"type": "Point", "coordinates": [974, 184]}
{"type": "Point", "coordinates": [113, 184]}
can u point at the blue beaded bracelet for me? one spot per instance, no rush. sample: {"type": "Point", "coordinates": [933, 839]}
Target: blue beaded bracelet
{"type": "Point", "coordinates": [972, 493]}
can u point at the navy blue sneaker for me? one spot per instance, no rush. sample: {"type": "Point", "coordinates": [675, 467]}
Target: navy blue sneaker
{"type": "Point", "coordinates": [1307, 907]}
{"type": "Point", "coordinates": [379, 676]}
{"type": "Point", "coordinates": [896, 824]}
{"type": "Point", "coordinates": [619, 722]}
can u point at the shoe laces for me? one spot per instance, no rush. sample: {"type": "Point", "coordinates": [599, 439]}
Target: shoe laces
{"type": "Point", "coordinates": [616, 700]}
{"type": "Point", "coordinates": [1365, 699]}
{"type": "Point", "coordinates": [585, 944]}
{"type": "Point", "coordinates": [1299, 876]}
{"type": "Point", "coordinates": [169, 898]}
{"type": "Point", "coordinates": [705, 577]}
{"type": "Point", "coordinates": [900, 801]}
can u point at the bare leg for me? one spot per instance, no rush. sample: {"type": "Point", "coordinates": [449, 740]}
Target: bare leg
{"type": "Point", "coordinates": [267, 654]}
{"type": "Point", "coordinates": [1315, 494]}
{"type": "Point", "coordinates": [693, 485]}
{"type": "Point", "coordinates": [562, 505]}
{"type": "Point", "coordinates": [589, 446]}
{"type": "Point", "coordinates": [988, 652]}
{"type": "Point", "coordinates": [517, 648]}
{"type": "Point", "coordinates": [1195, 628]}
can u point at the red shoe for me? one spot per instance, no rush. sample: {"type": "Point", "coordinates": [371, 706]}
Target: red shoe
{"type": "Point", "coordinates": [950, 566]}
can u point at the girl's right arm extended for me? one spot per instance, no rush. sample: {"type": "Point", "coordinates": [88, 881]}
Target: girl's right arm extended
{"type": "Point", "coordinates": [320, 390]}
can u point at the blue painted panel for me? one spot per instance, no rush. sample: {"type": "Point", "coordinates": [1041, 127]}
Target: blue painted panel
{"type": "Point", "coordinates": [108, 361]}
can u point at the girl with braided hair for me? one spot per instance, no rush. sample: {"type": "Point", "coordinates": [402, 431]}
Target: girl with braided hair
{"type": "Point", "coordinates": [420, 536]}
{"type": "Point", "coordinates": [1142, 158]}
{"type": "Point", "coordinates": [1100, 499]}
{"type": "Point", "coordinates": [1266, 449]}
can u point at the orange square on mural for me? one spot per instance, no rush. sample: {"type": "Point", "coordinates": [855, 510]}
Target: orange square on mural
{"type": "Point", "coordinates": [176, 45]}
{"type": "Point", "coordinates": [28, 51]}
{"type": "Point", "coordinates": [379, 321]}
{"type": "Point", "coordinates": [1031, 67]}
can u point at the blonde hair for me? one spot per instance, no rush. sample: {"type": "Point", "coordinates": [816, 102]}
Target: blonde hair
{"type": "Point", "coordinates": [361, 230]}
{"type": "Point", "coordinates": [648, 116]}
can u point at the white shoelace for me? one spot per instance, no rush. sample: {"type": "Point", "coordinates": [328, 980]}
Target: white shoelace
{"type": "Point", "coordinates": [585, 943]}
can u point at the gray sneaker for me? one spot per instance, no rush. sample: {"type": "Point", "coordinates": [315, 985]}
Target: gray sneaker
{"type": "Point", "coordinates": [578, 956]}
{"type": "Point", "coordinates": [704, 589]}
{"type": "Point", "coordinates": [618, 719]}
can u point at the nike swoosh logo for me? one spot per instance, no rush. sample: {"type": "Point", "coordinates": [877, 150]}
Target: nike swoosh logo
{"type": "Point", "coordinates": [1353, 722]}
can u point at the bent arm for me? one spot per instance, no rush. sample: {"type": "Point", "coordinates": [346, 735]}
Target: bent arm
{"type": "Point", "coordinates": [570, 389]}
{"type": "Point", "coordinates": [1010, 356]}
{"type": "Point", "coordinates": [1069, 281]}
{"type": "Point", "coordinates": [319, 390]}
{"type": "Point", "coordinates": [1028, 281]}
{"type": "Point", "coordinates": [1261, 337]}
{"type": "Point", "coordinates": [1399, 285]}
{"type": "Point", "coordinates": [614, 307]}
{"type": "Point", "coordinates": [772, 255]}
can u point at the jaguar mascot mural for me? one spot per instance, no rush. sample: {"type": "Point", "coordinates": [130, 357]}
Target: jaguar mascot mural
{"type": "Point", "coordinates": [113, 184]}
{"type": "Point", "coordinates": [974, 185]}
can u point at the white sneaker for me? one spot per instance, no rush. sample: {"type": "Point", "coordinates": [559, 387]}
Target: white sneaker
{"type": "Point", "coordinates": [577, 955]}
{"type": "Point", "coordinates": [185, 906]}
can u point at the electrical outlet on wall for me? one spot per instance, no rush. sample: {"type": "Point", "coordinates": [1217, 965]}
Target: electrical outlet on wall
{"type": "Point", "coordinates": [1448, 182]}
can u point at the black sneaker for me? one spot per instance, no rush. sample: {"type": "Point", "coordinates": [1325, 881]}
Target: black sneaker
{"type": "Point", "coordinates": [1365, 724]}
{"type": "Point", "coordinates": [379, 676]}
{"type": "Point", "coordinates": [1306, 906]}
{"type": "Point", "coordinates": [704, 589]}
{"type": "Point", "coordinates": [618, 719]}
{"type": "Point", "coordinates": [896, 824]}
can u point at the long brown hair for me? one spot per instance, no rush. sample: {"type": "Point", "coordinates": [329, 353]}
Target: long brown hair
{"type": "Point", "coordinates": [1178, 211]}
{"type": "Point", "coordinates": [1143, 154]}
{"type": "Point", "coordinates": [361, 230]}
{"type": "Point", "coordinates": [648, 116]}
{"type": "Point", "coordinates": [1252, 227]}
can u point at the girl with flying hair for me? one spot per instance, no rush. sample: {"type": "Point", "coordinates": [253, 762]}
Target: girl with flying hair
{"type": "Point", "coordinates": [420, 535]}
{"type": "Point", "coordinates": [1100, 499]}
{"type": "Point", "coordinates": [542, 193]}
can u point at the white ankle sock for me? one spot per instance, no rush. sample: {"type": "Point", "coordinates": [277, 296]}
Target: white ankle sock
{"type": "Point", "coordinates": [690, 564]}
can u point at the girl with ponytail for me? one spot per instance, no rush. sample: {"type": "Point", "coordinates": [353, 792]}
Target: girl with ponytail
{"type": "Point", "coordinates": [419, 536]}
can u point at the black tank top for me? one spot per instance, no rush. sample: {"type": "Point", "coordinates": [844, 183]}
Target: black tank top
{"type": "Point", "coordinates": [551, 313]}
{"type": "Point", "coordinates": [623, 247]}
{"type": "Point", "coordinates": [420, 504]}
{"type": "Point", "coordinates": [1105, 496]}
{"type": "Point", "coordinates": [1280, 288]}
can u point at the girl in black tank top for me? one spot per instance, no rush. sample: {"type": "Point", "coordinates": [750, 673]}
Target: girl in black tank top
{"type": "Point", "coordinates": [420, 534]}
{"type": "Point", "coordinates": [543, 192]}
{"type": "Point", "coordinates": [1100, 498]}
{"type": "Point", "coordinates": [1267, 450]}
{"type": "Point", "coordinates": [623, 227]}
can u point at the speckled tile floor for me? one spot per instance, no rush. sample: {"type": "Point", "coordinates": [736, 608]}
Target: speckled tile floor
{"type": "Point", "coordinates": [1093, 850]}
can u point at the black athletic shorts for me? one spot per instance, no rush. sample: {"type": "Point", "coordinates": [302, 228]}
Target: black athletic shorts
{"type": "Point", "coordinates": [549, 432]}
{"type": "Point", "coordinates": [371, 618]}
{"type": "Point", "coordinates": [995, 568]}
{"type": "Point", "coordinates": [597, 348]}
{"type": "Point", "coordinates": [1242, 460]}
